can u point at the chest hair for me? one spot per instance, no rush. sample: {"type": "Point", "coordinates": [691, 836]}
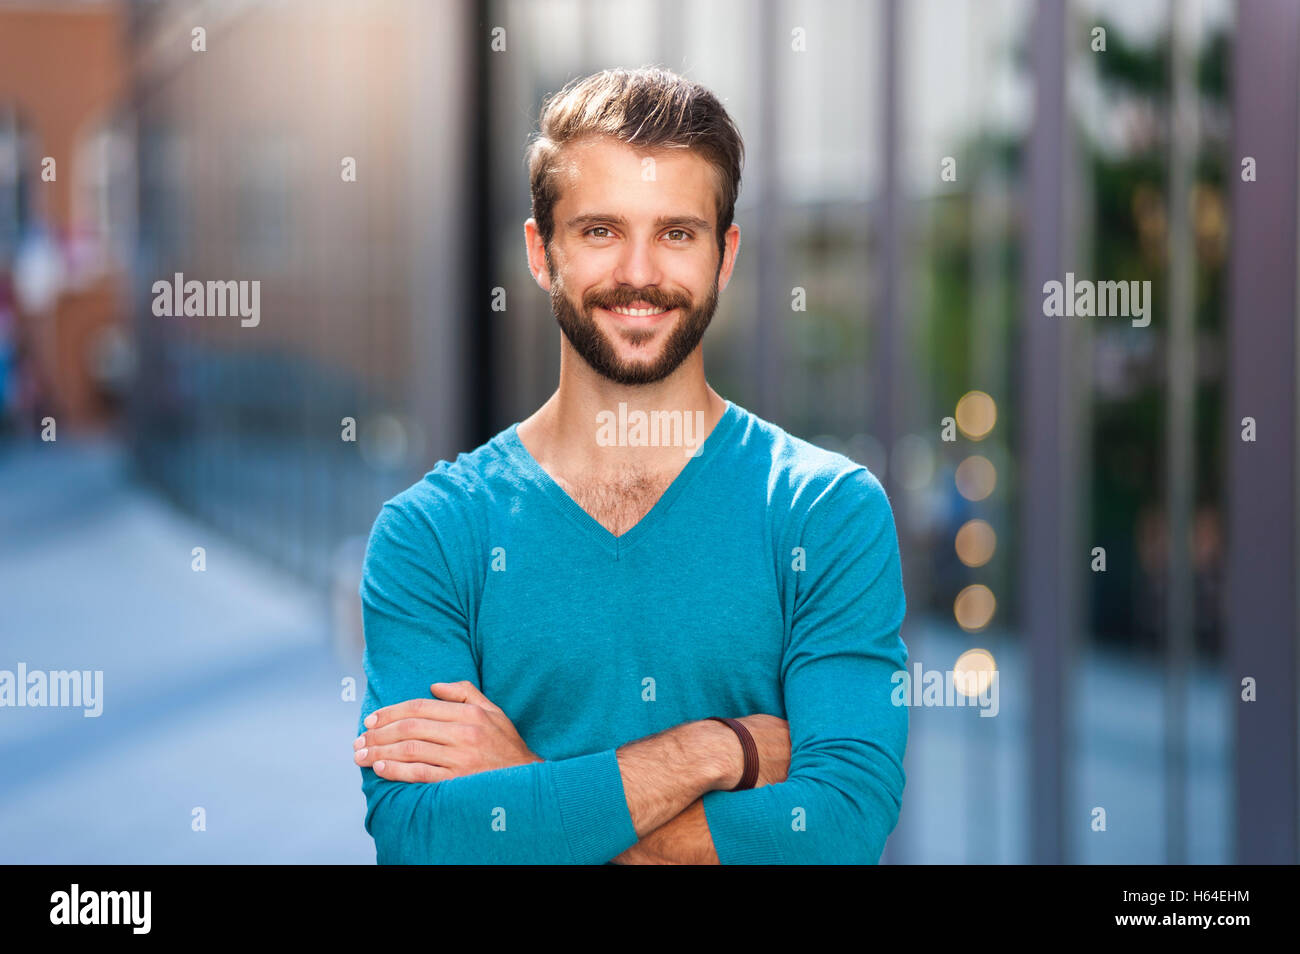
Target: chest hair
{"type": "Point", "coordinates": [619, 500]}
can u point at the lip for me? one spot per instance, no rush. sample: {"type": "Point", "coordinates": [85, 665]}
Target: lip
{"type": "Point", "coordinates": [638, 320]}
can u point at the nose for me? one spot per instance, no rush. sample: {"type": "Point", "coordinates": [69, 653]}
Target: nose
{"type": "Point", "coordinates": [637, 266]}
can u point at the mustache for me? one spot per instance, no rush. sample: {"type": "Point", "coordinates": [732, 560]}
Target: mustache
{"type": "Point", "coordinates": [624, 300]}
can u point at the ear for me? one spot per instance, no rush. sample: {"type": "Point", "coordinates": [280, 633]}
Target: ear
{"type": "Point", "coordinates": [536, 250]}
{"type": "Point", "coordinates": [731, 248]}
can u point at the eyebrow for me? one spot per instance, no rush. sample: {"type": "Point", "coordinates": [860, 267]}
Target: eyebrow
{"type": "Point", "coordinates": [599, 218]}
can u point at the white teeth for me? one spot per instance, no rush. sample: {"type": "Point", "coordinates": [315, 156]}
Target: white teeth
{"type": "Point", "coordinates": [639, 312]}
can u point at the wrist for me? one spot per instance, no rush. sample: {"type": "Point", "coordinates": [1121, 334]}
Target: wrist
{"type": "Point", "coordinates": [724, 757]}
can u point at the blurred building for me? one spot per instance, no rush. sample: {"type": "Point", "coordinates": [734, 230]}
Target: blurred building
{"type": "Point", "coordinates": [312, 155]}
{"type": "Point", "coordinates": [65, 207]}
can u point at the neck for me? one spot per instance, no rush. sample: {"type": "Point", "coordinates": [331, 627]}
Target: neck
{"type": "Point", "coordinates": [590, 424]}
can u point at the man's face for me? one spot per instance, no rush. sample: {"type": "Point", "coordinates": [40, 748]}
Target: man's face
{"type": "Point", "coordinates": [635, 233]}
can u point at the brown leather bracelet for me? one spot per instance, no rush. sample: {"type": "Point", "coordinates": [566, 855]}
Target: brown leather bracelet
{"type": "Point", "coordinates": [750, 775]}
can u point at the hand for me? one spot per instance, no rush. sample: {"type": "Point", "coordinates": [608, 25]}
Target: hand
{"type": "Point", "coordinates": [772, 737]}
{"type": "Point", "coordinates": [430, 740]}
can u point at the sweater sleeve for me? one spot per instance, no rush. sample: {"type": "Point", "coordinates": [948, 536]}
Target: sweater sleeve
{"type": "Point", "coordinates": [844, 788]}
{"type": "Point", "coordinates": [570, 811]}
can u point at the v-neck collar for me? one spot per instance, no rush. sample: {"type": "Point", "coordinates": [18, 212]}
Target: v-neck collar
{"type": "Point", "coordinates": [593, 528]}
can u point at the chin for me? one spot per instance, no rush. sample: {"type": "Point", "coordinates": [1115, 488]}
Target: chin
{"type": "Point", "coordinates": [640, 356]}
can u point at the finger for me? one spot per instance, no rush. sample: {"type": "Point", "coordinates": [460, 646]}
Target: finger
{"type": "Point", "coordinates": [420, 709]}
{"type": "Point", "coordinates": [411, 772]}
{"type": "Point", "coordinates": [408, 750]}
{"type": "Point", "coordinates": [427, 730]}
{"type": "Point", "coordinates": [463, 691]}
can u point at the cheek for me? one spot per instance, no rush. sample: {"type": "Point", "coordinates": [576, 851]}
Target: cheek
{"type": "Point", "coordinates": [579, 283]}
{"type": "Point", "coordinates": [697, 279]}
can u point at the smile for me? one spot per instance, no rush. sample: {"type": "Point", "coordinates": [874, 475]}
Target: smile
{"type": "Point", "coordinates": [639, 317]}
{"type": "Point", "coordinates": [640, 312]}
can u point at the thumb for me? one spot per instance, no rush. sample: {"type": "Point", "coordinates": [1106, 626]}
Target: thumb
{"type": "Point", "coordinates": [463, 691]}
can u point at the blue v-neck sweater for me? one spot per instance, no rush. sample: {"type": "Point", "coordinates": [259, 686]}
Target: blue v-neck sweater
{"type": "Point", "coordinates": [765, 579]}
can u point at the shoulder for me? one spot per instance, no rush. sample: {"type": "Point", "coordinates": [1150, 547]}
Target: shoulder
{"type": "Point", "coordinates": [454, 499]}
{"type": "Point", "coordinates": [805, 479]}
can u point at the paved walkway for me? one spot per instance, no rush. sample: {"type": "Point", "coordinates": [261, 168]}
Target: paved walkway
{"type": "Point", "coordinates": [220, 689]}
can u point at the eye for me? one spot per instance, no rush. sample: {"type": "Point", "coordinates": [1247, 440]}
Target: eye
{"type": "Point", "coordinates": [685, 235]}
{"type": "Point", "coordinates": [597, 228]}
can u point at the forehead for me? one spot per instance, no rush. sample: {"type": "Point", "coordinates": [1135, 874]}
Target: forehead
{"type": "Point", "coordinates": [609, 175]}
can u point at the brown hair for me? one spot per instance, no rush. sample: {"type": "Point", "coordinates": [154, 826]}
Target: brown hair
{"type": "Point", "coordinates": [649, 108]}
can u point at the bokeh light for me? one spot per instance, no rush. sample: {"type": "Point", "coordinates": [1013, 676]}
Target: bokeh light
{"type": "Point", "coordinates": [976, 477]}
{"type": "Point", "coordinates": [973, 671]}
{"type": "Point", "coordinates": [974, 607]}
{"type": "Point", "coordinates": [976, 414]}
{"type": "Point", "coordinates": [976, 542]}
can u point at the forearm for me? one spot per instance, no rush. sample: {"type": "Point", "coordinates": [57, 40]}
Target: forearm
{"type": "Point", "coordinates": [666, 773]}
{"type": "Point", "coordinates": [685, 840]}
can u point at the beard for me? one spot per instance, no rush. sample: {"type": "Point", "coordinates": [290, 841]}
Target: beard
{"type": "Point", "coordinates": [595, 347]}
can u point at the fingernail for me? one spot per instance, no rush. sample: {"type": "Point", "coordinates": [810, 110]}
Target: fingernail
{"type": "Point", "coordinates": [378, 766]}
{"type": "Point", "coordinates": [360, 756]}
{"type": "Point", "coordinates": [370, 721]}
{"type": "Point", "coordinates": [361, 740]}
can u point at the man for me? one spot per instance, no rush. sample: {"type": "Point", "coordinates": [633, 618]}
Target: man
{"type": "Point", "coordinates": [556, 622]}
